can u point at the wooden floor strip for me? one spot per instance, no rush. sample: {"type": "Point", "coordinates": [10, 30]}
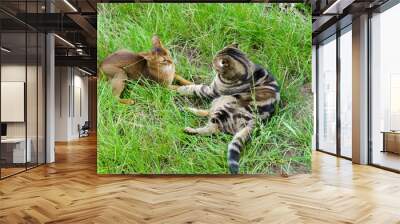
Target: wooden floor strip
{"type": "Point", "coordinates": [70, 191]}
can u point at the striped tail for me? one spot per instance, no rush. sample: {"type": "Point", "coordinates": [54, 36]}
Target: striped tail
{"type": "Point", "coordinates": [235, 146]}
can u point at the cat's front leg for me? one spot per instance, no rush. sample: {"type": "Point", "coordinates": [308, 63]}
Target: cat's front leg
{"type": "Point", "coordinates": [188, 90]}
{"type": "Point", "coordinates": [198, 112]}
{"type": "Point", "coordinates": [173, 87]}
{"type": "Point", "coordinates": [209, 129]}
{"type": "Point", "coordinates": [198, 90]}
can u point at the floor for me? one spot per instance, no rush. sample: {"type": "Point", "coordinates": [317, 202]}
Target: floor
{"type": "Point", "coordinates": [70, 191]}
{"type": "Point", "coordinates": [10, 171]}
{"type": "Point", "coordinates": [5, 172]}
{"type": "Point", "coordinates": [387, 159]}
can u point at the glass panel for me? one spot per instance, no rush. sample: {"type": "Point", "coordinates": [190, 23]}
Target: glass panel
{"type": "Point", "coordinates": [327, 96]}
{"type": "Point", "coordinates": [31, 98]}
{"type": "Point", "coordinates": [13, 86]}
{"type": "Point", "coordinates": [346, 93]}
{"type": "Point", "coordinates": [22, 88]}
{"type": "Point", "coordinates": [41, 99]}
{"type": "Point", "coordinates": [385, 84]}
{"type": "Point", "coordinates": [31, 86]}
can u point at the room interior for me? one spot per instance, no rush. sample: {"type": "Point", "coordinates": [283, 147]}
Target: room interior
{"type": "Point", "coordinates": [22, 101]}
{"type": "Point", "coordinates": [337, 43]}
{"type": "Point", "coordinates": [48, 83]}
{"type": "Point", "coordinates": [39, 108]}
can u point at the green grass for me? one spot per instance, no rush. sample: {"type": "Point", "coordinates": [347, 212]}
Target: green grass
{"type": "Point", "coordinates": [148, 138]}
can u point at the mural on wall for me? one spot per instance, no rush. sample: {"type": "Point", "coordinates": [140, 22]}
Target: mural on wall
{"type": "Point", "coordinates": [204, 89]}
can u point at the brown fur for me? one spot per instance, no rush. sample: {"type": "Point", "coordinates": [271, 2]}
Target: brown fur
{"type": "Point", "coordinates": [259, 94]}
{"type": "Point", "coordinates": [155, 65]}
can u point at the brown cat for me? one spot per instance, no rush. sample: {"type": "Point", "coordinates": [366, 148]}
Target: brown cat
{"type": "Point", "coordinates": [156, 65]}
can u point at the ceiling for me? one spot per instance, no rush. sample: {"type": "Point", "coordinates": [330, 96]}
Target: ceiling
{"type": "Point", "coordinates": [74, 22]}
{"type": "Point", "coordinates": [331, 15]}
{"type": "Point", "coordinates": [16, 42]}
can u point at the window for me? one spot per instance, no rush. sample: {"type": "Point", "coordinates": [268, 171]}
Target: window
{"type": "Point", "coordinates": [385, 89]}
{"type": "Point", "coordinates": [346, 75]}
{"type": "Point", "coordinates": [22, 101]}
{"type": "Point", "coordinates": [327, 95]}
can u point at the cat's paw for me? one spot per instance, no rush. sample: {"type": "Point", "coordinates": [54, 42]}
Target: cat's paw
{"type": "Point", "coordinates": [189, 130]}
{"type": "Point", "coordinates": [127, 101]}
{"type": "Point", "coordinates": [173, 87]}
{"type": "Point", "coordinates": [198, 112]}
{"type": "Point", "coordinates": [183, 90]}
{"type": "Point", "coordinates": [234, 167]}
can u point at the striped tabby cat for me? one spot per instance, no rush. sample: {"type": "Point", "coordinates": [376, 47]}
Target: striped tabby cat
{"type": "Point", "coordinates": [241, 92]}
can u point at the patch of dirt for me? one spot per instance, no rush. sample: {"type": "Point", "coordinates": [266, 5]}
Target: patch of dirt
{"type": "Point", "coordinates": [199, 79]}
{"type": "Point", "coordinates": [191, 53]}
{"type": "Point", "coordinates": [295, 168]}
{"type": "Point", "coordinates": [256, 46]}
{"type": "Point", "coordinates": [306, 89]}
{"type": "Point", "coordinates": [307, 100]}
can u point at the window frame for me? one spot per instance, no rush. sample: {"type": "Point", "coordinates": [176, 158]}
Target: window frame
{"type": "Point", "coordinates": [338, 33]}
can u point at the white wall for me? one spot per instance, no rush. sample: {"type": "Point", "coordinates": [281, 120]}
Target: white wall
{"type": "Point", "coordinates": [79, 117]}
{"type": "Point", "coordinates": [13, 101]}
{"type": "Point", "coordinates": [34, 125]}
{"type": "Point", "coordinates": [62, 81]}
{"type": "Point", "coordinates": [12, 73]}
{"type": "Point", "coordinates": [69, 82]}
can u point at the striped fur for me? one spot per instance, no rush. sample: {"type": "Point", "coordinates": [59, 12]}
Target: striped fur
{"type": "Point", "coordinates": [241, 92]}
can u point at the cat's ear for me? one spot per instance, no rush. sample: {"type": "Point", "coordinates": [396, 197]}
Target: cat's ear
{"type": "Point", "coordinates": [233, 45]}
{"type": "Point", "coordinates": [156, 42]}
{"type": "Point", "coordinates": [147, 56]}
